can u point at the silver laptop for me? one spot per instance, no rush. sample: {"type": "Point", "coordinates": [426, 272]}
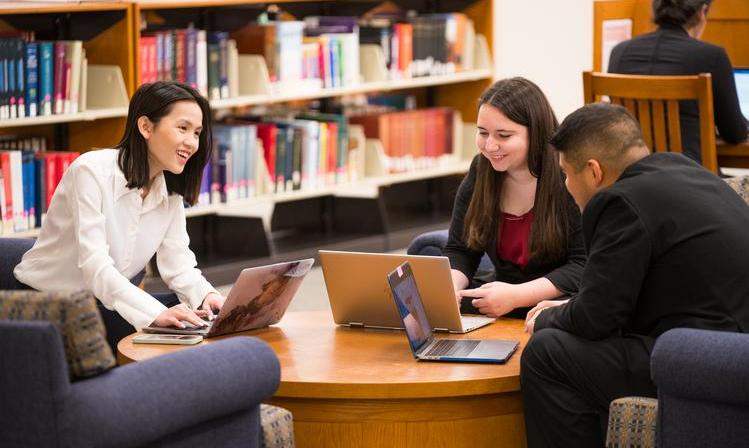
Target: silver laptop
{"type": "Point", "coordinates": [423, 344]}
{"type": "Point", "coordinates": [742, 89]}
{"type": "Point", "coordinates": [360, 296]}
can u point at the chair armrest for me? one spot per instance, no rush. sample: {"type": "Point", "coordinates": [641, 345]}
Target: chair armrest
{"type": "Point", "coordinates": [702, 365]}
{"type": "Point", "coordinates": [632, 422]}
{"type": "Point", "coordinates": [139, 403]}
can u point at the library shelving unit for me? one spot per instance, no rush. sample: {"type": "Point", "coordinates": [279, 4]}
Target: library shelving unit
{"type": "Point", "coordinates": [105, 29]}
{"type": "Point", "coordinates": [269, 226]}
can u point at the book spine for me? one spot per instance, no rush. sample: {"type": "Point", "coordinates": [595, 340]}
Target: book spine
{"type": "Point", "coordinates": [32, 79]}
{"type": "Point", "coordinates": [46, 77]}
{"type": "Point", "coordinates": [4, 95]}
{"type": "Point", "coordinates": [191, 57]}
{"type": "Point", "coordinates": [11, 76]}
{"type": "Point", "coordinates": [59, 77]}
{"type": "Point", "coordinates": [223, 73]}
{"type": "Point", "coordinates": [202, 62]}
{"type": "Point", "coordinates": [179, 55]}
{"type": "Point", "coordinates": [21, 77]}
{"type": "Point", "coordinates": [20, 220]}
{"type": "Point", "coordinates": [214, 56]}
{"type": "Point", "coordinates": [8, 190]}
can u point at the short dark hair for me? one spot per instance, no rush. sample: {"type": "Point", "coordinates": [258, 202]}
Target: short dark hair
{"type": "Point", "coordinates": [155, 101]}
{"type": "Point", "coordinates": [681, 13]}
{"type": "Point", "coordinates": [600, 130]}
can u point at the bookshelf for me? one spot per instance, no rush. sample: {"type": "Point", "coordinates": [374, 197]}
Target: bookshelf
{"type": "Point", "coordinates": [112, 32]}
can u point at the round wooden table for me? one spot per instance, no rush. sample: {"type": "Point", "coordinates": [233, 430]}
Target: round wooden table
{"type": "Point", "coordinates": [354, 387]}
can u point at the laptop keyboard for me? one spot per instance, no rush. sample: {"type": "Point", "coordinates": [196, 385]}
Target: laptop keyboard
{"type": "Point", "coordinates": [452, 347]}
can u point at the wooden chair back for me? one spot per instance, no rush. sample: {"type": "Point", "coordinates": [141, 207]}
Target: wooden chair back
{"type": "Point", "coordinates": [654, 102]}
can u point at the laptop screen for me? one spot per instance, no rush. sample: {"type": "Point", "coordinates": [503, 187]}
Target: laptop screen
{"type": "Point", "coordinates": [742, 88]}
{"type": "Point", "coordinates": [410, 307]}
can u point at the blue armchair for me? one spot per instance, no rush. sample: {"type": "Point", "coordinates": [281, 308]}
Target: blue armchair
{"type": "Point", "coordinates": [208, 395]}
{"type": "Point", "coordinates": [433, 243]}
{"type": "Point", "coordinates": [703, 394]}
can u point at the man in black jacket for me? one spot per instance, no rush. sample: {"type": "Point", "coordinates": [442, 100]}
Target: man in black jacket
{"type": "Point", "coordinates": [675, 49]}
{"type": "Point", "coordinates": [666, 243]}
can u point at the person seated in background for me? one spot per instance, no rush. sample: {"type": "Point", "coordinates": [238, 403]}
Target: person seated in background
{"type": "Point", "coordinates": [115, 208]}
{"type": "Point", "coordinates": [675, 49]}
{"type": "Point", "coordinates": [666, 243]}
{"type": "Point", "coordinates": [512, 205]}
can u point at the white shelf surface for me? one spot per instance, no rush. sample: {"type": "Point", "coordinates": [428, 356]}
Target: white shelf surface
{"type": "Point", "coordinates": [367, 87]}
{"type": "Point", "coordinates": [89, 115]}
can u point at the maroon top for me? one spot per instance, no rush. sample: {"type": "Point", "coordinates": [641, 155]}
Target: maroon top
{"type": "Point", "coordinates": [514, 243]}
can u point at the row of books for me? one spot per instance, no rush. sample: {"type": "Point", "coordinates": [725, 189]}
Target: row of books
{"type": "Point", "coordinates": [206, 61]}
{"type": "Point", "coordinates": [256, 156]}
{"type": "Point", "coordinates": [28, 178]}
{"type": "Point", "coordinates": [41, 78]}
{"type": "Point", "coordinates": [412, 139]}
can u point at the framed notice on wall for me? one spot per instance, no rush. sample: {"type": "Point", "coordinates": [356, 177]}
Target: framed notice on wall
{"type": "Point", "coordinates": [613, 32]}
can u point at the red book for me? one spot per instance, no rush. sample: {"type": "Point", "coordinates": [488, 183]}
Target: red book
{"type": "Point", "coordinates": [405, 46]}
{"type": "Point", "coordinates": [268, 133]}
{"type": "Point", "coordinates": [180, 54]}
{"type": "Point", "coordinates": [145, 58]}
{"type": "Point", "coordinates": [7, 184]}
{"type": "Point", "coordinates": [59, 77]}
{"type": "Point", "coordinates": [50, 165]}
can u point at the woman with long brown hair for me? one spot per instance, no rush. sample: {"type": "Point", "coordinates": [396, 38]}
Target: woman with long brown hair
{"type": "Point", "coordinates": [513, 206]}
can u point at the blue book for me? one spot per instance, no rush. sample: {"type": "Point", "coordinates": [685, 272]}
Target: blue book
{"type": "Point", "coordinates": [204, 198]}
{"type": "Point", "coordinates": [32, 79]}
{"type": "Point", "coordinates": [39, 188]}
{"type": "Point", "coordinates": [29, 184]}
{"type": "Point", "coordinates": [11, 73]}
{"type": "Point", "coordinates": [46, 77]}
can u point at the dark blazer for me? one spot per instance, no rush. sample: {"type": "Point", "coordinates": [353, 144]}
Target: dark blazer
{"type": "Point", "coordinates": [671, 51]}
{"type": "Point", "coordinates": [564, 274]}
{"type": "Point", "coordinates": [667, 246]}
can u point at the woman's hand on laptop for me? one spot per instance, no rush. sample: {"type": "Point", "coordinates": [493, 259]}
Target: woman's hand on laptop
{"type": "Point", "coordinates": [493, 299]}
{"type": "Point", "coordinates": [212, 304]}
{"type": "Point", "coordinates": [173, 317]}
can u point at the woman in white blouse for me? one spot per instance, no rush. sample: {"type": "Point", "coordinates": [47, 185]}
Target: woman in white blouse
{"type": "Point", "coordinates": [115, 208]}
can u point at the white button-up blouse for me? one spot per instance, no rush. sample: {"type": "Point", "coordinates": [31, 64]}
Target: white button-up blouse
{"type": "Point", "coordinates": [98, 234]}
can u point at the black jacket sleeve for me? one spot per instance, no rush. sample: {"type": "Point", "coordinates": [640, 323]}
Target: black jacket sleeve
{"type": "Point", "coordinates": [729, 120]}
{"type": "Point", "coordinates": [566, 278]}
{"type": "Point", "coordinates": [462, 258]}
{"type": "Point", "coordinates": [618, 258]}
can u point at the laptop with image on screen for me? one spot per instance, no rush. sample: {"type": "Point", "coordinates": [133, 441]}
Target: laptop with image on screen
{"type": "Point", "coordinates": [423, 344]}
{"type": "Point", "coordinates": [360, 297]}
{"type": "Point", "coordinates": [742, 89]}
{"type": "Point", "coordinates": [257, 299]}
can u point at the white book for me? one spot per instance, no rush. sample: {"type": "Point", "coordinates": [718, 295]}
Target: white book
{"type": "Point", "coordinates": [251, 159]}
{"type": "Point", "coordinates": [82, 99]}
{"type": "Point", "coordinates": [350, 63]}
{"type": "Point", "coordinates": [201, 62]}
{"type": "Point", "coordinates": [74, 52]}
{"type": "Point", "coordinates": [20, 217]}
{"type": "Point", "coordinates": [233, 68]}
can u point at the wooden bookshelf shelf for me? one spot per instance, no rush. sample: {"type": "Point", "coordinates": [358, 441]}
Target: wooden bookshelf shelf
{"type": "Point", "coordinates": [33, 7]}
{"type": "Point", "coordinates": [369, 87]}
{"type": "Point", "coordinates": [89, 115]}
{"type": "Point", "coordinates": [184, 4]}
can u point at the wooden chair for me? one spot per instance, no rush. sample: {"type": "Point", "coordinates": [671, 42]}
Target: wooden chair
{"type": "Point", "coordinates": [654, 102]}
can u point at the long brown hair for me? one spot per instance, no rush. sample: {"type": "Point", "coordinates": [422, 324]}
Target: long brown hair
{"type": "Point", "coordinates": [522, 101]}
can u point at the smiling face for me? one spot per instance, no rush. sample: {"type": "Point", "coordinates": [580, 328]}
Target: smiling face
{"type": "Point", "coordinates": [174, 139]}
{"type": "Point", "coordinates": [503, 142]}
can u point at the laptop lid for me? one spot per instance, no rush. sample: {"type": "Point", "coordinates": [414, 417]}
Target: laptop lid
{"type": "Point", "coordinates": [260, 296]}
{"type": "Point", "coordinates": [410, 308]}
{"type": "Point", "coordinates": [742, 89]}
{"type": "Point", "coordinates": [359, 294]}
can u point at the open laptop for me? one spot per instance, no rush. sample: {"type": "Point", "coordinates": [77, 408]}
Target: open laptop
{"type": "Point", "coordinates": [742, 89]}
{"type": "Point", "coordinates": [360, 297]}
{"type": "Point", "coordinates": [423, 344]}
{"type": "Point", "coordinates": [258, 298]}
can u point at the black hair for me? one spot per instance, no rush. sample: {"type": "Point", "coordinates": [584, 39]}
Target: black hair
{"type": "Point", "coordinates": [155, 101]}
{"type": "Point", "coordinates": [601, 131]}
{"type": "Point", "coordinates": [679, 13]}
